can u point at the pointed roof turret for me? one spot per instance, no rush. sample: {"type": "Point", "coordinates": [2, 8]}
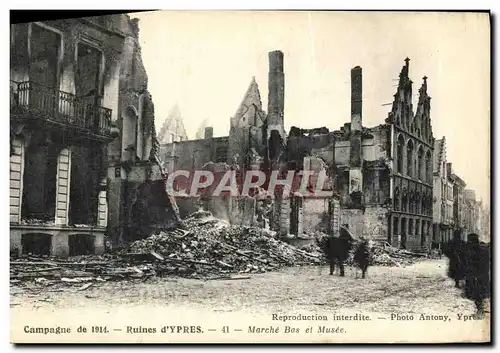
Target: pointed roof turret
{"type": "Point", "coordinates": [173, 124]}
{"type": "Point", "coordinates": [251, 98]}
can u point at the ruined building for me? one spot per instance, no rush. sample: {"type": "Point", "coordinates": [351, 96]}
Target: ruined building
{"type": "Point", "coordinates": [382, 175]}
{"type": "Point", "coordinates": [81, 130]}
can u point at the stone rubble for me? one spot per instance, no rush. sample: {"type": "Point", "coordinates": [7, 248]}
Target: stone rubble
{"type": "Point", "coordinates": [208, 248]}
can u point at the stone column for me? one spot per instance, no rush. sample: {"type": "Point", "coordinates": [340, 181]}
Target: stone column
{"type": "Point", "coordinates": [300, 216]}
{"type": "Point", "coordinates": [60, 246]}
{"type": "Point", "coordinates": [284, 217]}
{"type": "Point", "coordinates": [376, 185]}
{"type": "Point", "coordinates": [63, 187]}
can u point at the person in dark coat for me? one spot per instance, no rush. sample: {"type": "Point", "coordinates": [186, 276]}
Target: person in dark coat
{"type": "Point", "coordinates": [454, 250]}
{"type": "Point", "coordinates": [477, 272]}
{"type": "Point", "coordinates": [336, 250]}
{"type": "Point", "coordinates": [339, 253]}
{"type": "Point", "coordinates": [362, 257]}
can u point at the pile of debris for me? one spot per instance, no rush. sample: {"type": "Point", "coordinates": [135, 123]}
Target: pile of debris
{"type": "Point", "coordinates": [383, 254]}
{"type": "Point", "coordinates": [213, 247]}
{"type": "Point", "coordinates": [206, 248]}
{"type": "Point", "coordinates": [210, 249]}
{"type": "Point", "coordinates": [81, 271]}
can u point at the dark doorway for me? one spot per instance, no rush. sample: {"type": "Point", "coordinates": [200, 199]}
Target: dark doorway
{"type": "Point", "coordinates": [404, 231]}
{"type": "Point", "coordinates": [85, 171]}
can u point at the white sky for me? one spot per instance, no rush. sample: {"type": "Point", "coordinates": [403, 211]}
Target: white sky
{"type": "Point", "coordinates": [204, 62]}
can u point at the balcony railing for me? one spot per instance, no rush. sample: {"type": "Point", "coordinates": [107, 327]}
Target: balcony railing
{"type": "Point", "coordinates": [39, 101]}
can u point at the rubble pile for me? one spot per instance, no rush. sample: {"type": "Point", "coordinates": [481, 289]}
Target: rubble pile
{"type": "Point", "coordinates": [213, 246]}
{"type": "Point", "coordinates": [384, 254]}
{"type": "Point", "coordinates": [207, 248]}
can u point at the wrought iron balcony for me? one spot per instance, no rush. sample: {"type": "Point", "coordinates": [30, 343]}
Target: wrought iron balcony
{"type": "Point", "coordinates": [32, 100]}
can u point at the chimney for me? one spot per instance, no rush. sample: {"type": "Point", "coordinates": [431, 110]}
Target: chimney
{"type": "Point", "coordinates": [209, 132]}
{"type": "Point", "coordinates": [356, 116]}
{"type": "Point", "coordinates": [356, 149]}
{"type": "Point", "coordinates": [276, 86]}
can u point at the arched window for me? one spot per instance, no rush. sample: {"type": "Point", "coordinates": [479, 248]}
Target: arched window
{"type": "Point", "coordinates": [405, 200]}
{"type": "Point", "coordinates": [417, 203]}
{"type": "Point", "coordinates": [420, 163]}
{"type": "Point", "coordinates": [412, 202]}
{"type": "Point", "coordinates": [129, 134]}
{"type": "Point", "coordinates": [409, 158]}
{"type": "Point", "coordinates": [400, 154]}
{"type": "Point", "coordinates": [397, 200]}
{"type": "Point", "coordinates": [428, 167]}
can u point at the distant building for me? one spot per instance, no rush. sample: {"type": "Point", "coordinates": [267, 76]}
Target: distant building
{"type": "Point", "coordinates": [459, 222]}
{"type": "Point", "coordinates": [471, 211]}
{"type": "Point", "coordinates": [173, 129]}
{"type": "Point", "coordinates": [442, 195]}
{"type": "Point", "coordinates": [484, 223]}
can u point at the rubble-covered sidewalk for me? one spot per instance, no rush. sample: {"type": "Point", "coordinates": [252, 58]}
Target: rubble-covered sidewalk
{"type": "Point", "coordinates": [210, 248]}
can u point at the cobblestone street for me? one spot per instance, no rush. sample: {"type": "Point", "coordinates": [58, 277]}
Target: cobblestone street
{"type": "Point", "coordinates": [219, 305]}
{"type": "Point", "coordinates": [421, 287]}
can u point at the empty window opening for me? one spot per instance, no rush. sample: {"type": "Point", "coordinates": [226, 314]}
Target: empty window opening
{"type": "Point", "coordinates": [87, 73]}
{"type": "Point", "coordinates": [36, 244]}
{"type": "Point", "coordinates": [45, 45]}
{"type": "Point", "coordinates": [129, 134]}
{"type": "Point", "coordinates": [81, 244]}
{"type": "Point", "coordinates": [85, 171]}
{"type": "Point", "coordinates": [87, 87]}
{"type": "Point", "coordinates": [40, 179]}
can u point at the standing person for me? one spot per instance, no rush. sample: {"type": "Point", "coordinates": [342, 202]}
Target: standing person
{"type": "Point", "coordinates": [362, 257]}
{"type": "Point", "coordinates": [336, 250]}
{"type": "Point", "coordinates": [477, 273]}
{"type": "Point", "coordinates": [454, 250]}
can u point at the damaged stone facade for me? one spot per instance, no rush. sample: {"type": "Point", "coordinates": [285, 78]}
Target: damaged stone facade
{"type": "Point", "coordinates": [62, 107]}
{"type": "Point", "coordinates": [137, 197]}
{"type": "Point", "coordinates": [384, 173]}
{"type": "Point", "coordinates": [412, 153]}
{"type": "Point", "coordinates": [81, 122]}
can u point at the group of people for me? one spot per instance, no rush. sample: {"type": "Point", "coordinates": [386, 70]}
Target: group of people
{"type": "Point", "coordinates": [337, 251]}
{"type": "Point", "coordinates": [469, 261]}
